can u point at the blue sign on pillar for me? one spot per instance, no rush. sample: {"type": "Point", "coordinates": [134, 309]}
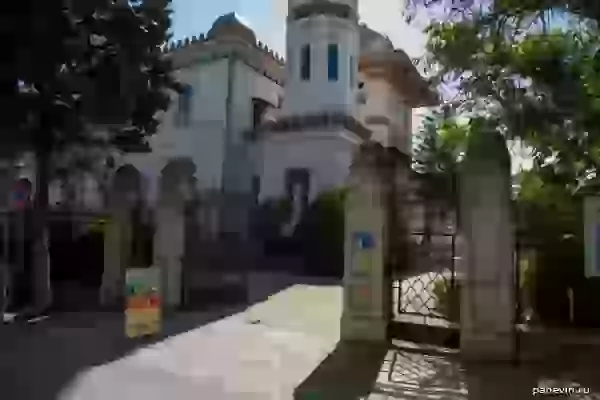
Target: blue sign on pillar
{"type": "Point", "coordinates": [364, 240]}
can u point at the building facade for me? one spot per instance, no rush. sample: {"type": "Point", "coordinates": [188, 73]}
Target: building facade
{"type": "Point", "coordinates": [262, 127]}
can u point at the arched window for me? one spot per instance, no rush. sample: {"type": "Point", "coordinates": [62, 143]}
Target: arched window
{"type": "Point", "coordinates": [305, 62]}
{"type": "Point", "coordinates": [332, 62]}
{"type": "Point", "coordinates": [259, 107]}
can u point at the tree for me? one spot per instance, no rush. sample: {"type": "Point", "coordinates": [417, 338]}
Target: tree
{"type": "Point", "coordinates": [439, 146]}
{"type": "Point", "coordinates": [75, 69]}
{"type": "Point", "coordinates": [438, 149]}
{"type": "Point", "coordinates": [531, 70]}
{"type": "Point", "coordinates": [533, 78]}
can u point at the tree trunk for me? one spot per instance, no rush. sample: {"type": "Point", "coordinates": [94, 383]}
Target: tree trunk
{"type": "Point", "coordinates": [42, 290]}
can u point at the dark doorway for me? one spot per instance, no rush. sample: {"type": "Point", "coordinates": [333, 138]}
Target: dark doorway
{"type": "Point", "coordinates": [77, 260]}
{"type": "Point", "coordinates": [16, 254]}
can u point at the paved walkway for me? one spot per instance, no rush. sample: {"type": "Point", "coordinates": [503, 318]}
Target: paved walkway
{"type": "Point", "coordinates": [282, 348]}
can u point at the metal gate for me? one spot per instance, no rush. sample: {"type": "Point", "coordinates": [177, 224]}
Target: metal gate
{"type": "Point", "coordinates": [425, 285]}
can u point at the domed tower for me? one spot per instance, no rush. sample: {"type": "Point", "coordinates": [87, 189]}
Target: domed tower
{"type": "Point", "coordinates": [230, 26]}
{"type": "Point", "coordinates": [322, 56]}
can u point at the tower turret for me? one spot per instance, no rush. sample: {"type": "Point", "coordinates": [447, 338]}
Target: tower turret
{"type": "Point", "coordinates": [322, 56]}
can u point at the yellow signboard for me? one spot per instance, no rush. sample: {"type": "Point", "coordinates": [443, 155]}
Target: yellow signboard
{"type": "Point", "coordinates": [143, 309]}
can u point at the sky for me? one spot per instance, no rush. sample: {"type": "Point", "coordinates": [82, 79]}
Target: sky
{"type": "Point", "coordinates": [267, 19]}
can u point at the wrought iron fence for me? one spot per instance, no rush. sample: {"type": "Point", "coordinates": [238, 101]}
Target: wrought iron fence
{"type": "Point", "coordinates": [429, 288]}
{"type": "Point", "coordinates": [425, 282]}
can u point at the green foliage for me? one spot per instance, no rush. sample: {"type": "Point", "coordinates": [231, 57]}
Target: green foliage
{"type": "Point", "coordinates": [447, 299]}
{"type": "Point", "coordinates": [527, 272]}
{"type": "Point", "coordinates": [439, 147]}
{"type": "Point", "coordinates": [329, 210]}
{"type": "Point", "coordinates": [322, 233]}
{"type": "Point", "coordinates": [271, 214]}
{"type": "Point", "coordinates": [72, 68]}
{"type": "Point", "coordinates": [552, 227]}
{"type": "Point", "coordinates": [440, 143]}
{"type": "Point", "coordinates": [283, 208]}
{"type": "Point", "coordinates": [509, 65]}
{"type": "Point", "coordinates": [549, 212]}
{"type": "Point", "coordinates": [89, 63]}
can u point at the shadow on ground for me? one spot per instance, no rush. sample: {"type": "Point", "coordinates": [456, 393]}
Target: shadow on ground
{"type": "Point", "coordinates": [37, 361]}
{"type": "Point", "coordinates": [348, 372]}
{"type": "Point", "coordinates": [355, 371]}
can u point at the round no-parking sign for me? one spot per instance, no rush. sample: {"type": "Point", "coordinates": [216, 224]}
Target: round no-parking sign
{"type": "Point", "coordinates": [20, 195]}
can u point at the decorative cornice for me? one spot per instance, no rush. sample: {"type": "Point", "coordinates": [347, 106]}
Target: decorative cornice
{"type": "Point", "coordinates": [259, 56]}
{"type": "Point", "coordinates": [213, 51]}
{"type": "Point", "coordinates": [187, 42]}
{"type": "Point", "coordinates": [328, 8]}
{"type": "Point", "coordinates": [312, 122]}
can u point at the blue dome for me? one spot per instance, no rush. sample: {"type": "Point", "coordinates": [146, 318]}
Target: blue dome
{"type": "Point", "coordinates": [227, 19]}
{"type": "Point", "coordinates": [229, 25]}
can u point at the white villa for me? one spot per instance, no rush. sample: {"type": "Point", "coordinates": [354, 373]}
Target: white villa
{"type": "Point", "coordinates": [254, 123]}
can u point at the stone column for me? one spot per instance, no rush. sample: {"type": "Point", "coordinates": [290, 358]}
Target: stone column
{"type": "Point", "coordinates": [365, 307]}
{"type": "Point", "coordinates": [176, 187]}
{"type": "Point", "coordinates": [487, 296]}
{"type": "Point", "coordinates": [123, 197]}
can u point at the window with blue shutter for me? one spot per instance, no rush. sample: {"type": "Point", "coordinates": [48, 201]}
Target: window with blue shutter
{"type": "Point", "coordinates": [332, 62]}
{"type": "Point", "coordinates": [305, 63]}
{"type": "Point", "coordinates": [184, 107]}
{"type": "Point", "coordinates": [351, 73]}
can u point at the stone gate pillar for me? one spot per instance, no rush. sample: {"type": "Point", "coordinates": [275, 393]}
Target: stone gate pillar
{"type": "Point", "coordinates": [123, 197]}
{"type": "Point", "coordinates": [177, 184]}
{"type": "Point", "coordinates": [487, 296]}
{"type": "Point", "coordinates": [365, 306]}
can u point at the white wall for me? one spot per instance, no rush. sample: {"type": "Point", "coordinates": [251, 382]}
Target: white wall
{"type": "Point", "coordinates": [202, 140]}
{"type": "Point", "coordinates": [327, 156]}
{"type": "Point", "coordinates": [248, 84]}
